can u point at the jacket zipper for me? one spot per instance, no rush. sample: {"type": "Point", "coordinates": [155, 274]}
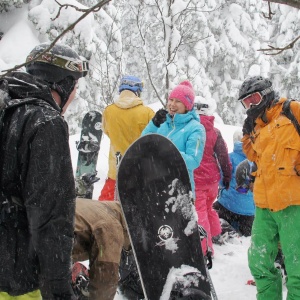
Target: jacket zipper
{"type": "Point", "coordinates": [173, 126]}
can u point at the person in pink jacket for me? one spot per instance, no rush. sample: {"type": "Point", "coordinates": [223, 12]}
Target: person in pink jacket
{"type": "Point", "coordinates": [207, 176]}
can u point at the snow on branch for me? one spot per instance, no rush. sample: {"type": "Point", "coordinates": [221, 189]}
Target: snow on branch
{"type": "Point", "coordinates": [87, 11]}
{"type": "Point", "coordinates": [277, 50]}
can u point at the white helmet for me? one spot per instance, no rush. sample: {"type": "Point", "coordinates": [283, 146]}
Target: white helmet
{"type": "Point", "coordinates": [205, 106]}
{"type": "Point", "coordinates": [237, 135]}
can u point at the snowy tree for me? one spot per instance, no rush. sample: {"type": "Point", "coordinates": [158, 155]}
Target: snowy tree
{"type": "Point", "coordinates": [239, 30]}
{"type": "Point", "coordinates": [161, 44]}
{"type": "Point", "coordinates": [7, 5]}
{"type": "Point", "coordinates": [284, 27]}
{"type": "Point", "coordinates": [214, 44]}
{"type": "Point", "coordinates": [96, 38]}
{"type": "Point", "coordinates": [106, 62]}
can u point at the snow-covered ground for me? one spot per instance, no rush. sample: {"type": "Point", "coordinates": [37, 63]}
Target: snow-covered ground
{"type": "Point", "coordinates": [230, 271]}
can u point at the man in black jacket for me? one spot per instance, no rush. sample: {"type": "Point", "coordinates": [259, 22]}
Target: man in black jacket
{"type": "Point", "coordinates": [37, 191]}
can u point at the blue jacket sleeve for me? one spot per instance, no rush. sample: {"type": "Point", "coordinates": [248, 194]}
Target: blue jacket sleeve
{"type": "Point", "coordinates": [150, 128]}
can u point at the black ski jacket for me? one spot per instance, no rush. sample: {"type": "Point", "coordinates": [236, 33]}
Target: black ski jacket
{"type": "Point", "coordinates": [36, 174]}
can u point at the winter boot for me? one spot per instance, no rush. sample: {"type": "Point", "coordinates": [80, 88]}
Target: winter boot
{"type": "Point", "coordinates": [80, 281]}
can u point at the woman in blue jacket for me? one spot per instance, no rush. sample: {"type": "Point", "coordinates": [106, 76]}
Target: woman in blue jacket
{"type": "Point", "coordinates": [234, 207]}
{"type": "Point", "coordinates": [181, 125]}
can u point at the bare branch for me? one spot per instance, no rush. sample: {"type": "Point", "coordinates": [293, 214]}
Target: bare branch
{"type": "Point", "coordinates": [279, 49]}
{"type": "Point", "coordinates": [61, 6]}
{"type": "Point", "coordinates": [94, 8]}
{"type": "Point", "coordinates": [292, 3]}
{"type": "Point", "coordinates": [270, 12]}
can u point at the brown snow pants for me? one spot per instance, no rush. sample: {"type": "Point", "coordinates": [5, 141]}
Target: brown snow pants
{"type": "Point", "coordinates": [100, 235]}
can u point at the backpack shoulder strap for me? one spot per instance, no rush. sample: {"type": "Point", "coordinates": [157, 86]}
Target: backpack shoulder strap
{"type": "Point", "coordinates": [4, 96]}
{"type": "Point", "coordinates": [2, 111]}
{"type": "Point", "coordinates": [286, 110]}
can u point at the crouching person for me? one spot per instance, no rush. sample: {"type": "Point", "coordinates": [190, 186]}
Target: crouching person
{"type": "Point", "coordinates": [100, 235]}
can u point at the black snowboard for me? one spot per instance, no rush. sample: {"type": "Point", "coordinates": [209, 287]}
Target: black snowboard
{"type": "Point", "coordinates": [88, 149]}
{"type": "Point", "coordinates": [156, 198]}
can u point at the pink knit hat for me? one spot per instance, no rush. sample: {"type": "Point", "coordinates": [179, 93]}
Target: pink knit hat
{"type": "Point", "coordinates": [185, 93]}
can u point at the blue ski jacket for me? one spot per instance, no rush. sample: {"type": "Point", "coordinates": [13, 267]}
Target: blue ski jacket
{"type": "Point", "coordinates": [242, 204]}
{"type": "Point", "coordinates": [188, 135]}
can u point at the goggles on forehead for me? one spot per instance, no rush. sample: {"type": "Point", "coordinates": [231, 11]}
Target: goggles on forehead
{"type": "Point", "coordinates": [59, 61]}
{"type": "Point", "coordinates": [255, 98]}
{"type": "Point", "coordinates": [132, 83]}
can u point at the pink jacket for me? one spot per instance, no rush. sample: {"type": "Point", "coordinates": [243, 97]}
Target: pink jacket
{"type": "Point", "coordinates": [215, 156]}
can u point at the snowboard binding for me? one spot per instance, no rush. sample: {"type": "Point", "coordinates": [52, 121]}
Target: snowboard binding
{"type": "Point", "coordinates": [84, 184]}
{"type": "Point", "coordinates": [208, 255]}
{"type": "Point", "coordinates": [80, 281]}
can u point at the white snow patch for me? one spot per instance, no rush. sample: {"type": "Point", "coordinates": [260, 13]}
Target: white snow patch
{"type": "Point", "coordinates": [179, 276]}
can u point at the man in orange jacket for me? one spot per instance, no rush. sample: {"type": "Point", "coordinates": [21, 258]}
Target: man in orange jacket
{"type": "Point", "coordinates": [273, 143]}
{"type": "Point", "coordinates": [123, 122]}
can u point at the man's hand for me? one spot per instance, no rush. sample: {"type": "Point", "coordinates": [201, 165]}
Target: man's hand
{"type": "Point", "coordinates": [248, 125]}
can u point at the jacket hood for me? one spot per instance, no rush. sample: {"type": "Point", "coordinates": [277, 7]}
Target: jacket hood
{"type": "Point", "coordinates": [207, 121]}
{"type": "Point", "coordinates": [238, 148]}
{"type": "Point", "coordinates": [128, 99]}
{"type": "Point", "coordinates": [21, 87]}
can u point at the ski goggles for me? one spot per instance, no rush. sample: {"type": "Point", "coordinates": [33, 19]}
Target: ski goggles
{"type": "Point", "coordinates": [199, 106]}
{"type": "Point", "coordinates": [132, 83]}
{"type": "Point", "coordinates": [255, 98]}
{"type": "Point", "coordinates": [59, 61]}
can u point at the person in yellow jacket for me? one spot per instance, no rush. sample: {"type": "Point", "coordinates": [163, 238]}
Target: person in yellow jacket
{"type": "Point", "coordinates": [123, 122]}
{"type": "Point", "coordinates": [273, 143]}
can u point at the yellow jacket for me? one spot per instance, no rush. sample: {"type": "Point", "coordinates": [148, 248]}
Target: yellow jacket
{"type": "Point", "coordinates": [124, 122]}
{"type": "Point", "coordinates": [275, 147]}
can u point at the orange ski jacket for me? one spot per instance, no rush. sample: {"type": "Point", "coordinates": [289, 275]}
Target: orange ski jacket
{"type": "Point", "coordinates": [275, 147]}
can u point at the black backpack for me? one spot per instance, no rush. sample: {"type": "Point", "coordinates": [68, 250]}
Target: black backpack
{"type": "Point", "coordinates": [9, 205]}
{"type": "Point", "coordinates": [286, 110]}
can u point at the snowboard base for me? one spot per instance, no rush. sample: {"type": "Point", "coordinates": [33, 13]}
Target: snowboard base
{"type": "Point", "coordinates": [155, 195]}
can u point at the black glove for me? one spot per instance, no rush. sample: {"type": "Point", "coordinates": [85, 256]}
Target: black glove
{"type": "Point", "coordinates": [226, 184]}
{"type": "Point", "coordinates": [160, 117]}
{"type": "Point", "coordinates": [248, 125]}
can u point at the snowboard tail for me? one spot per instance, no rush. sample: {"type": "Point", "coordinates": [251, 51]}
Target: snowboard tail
{"type": "Point", "coordinates": [156, 198]}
